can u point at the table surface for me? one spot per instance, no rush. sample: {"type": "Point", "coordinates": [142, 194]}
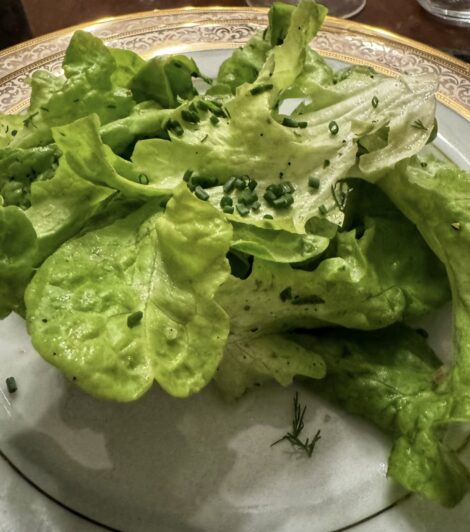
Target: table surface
{"type": "Point", "coordinates": [20, 19]}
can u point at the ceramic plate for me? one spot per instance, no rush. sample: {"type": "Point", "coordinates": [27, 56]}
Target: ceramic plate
{"type": "Point", "coordinates": [200, 464]}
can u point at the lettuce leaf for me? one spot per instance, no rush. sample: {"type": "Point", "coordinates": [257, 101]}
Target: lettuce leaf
{"type": "Point", "coordinates": [391, 377]}
{"type": "Point", "coordinates": [248, 363]}
{"type": "Point", "coordinates": [133, 302]}
{"type": "Point", "coordinates": [435, 195]}
{"type": "Point", "coordinates": [89, 86]}
{"type": "Point", "coordinates": [377, 272]}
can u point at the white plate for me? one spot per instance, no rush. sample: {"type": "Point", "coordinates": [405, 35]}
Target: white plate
{"type": "Point", "coordinates": [200, 464]}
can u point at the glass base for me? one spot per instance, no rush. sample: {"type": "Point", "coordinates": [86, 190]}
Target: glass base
{"type": "Point", "coordinates": [336, 8]}
{"type": "Point", "coordinates": [455, 12]}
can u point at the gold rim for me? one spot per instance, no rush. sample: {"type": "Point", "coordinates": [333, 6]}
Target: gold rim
{"type": "Point", "coordinates": [332, 23]}
{"type": "Point", "coordinates": [359, 27]}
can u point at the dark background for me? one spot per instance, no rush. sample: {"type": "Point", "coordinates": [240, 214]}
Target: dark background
{"type": "Point", "coordinates": [23, 19]}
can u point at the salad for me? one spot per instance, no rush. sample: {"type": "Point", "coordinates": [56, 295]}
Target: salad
{"type": "Point", "coordinates": [283, 220]}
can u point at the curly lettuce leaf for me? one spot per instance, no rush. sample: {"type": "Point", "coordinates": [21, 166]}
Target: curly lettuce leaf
{"type": "Point", "coordinates": [248, 363]}
{"type": "Point", "coordinates": [88, 87]}
{"type": "Point", "coordinates": [377, 272]}
{"type": "Point", "coordinates": [126, 305]}
{"type": "Point", "coordinates": [251, 138]}
{"type": "Point", "coordinates": [435, 195]}
{"type": "Point", "coordinates": [276, 245]}
{"type": "Point", "coordinates": [391, 378]}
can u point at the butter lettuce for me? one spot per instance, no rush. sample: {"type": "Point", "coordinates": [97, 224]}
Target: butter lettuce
{"type": "Point", "coordinates": [376, 273]}
{"type": "Point", "coordinates": [392, 378]}
{"type": "Point", "coordinates": [148, 311]}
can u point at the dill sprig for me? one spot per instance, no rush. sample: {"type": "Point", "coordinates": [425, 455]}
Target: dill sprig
{"type": "Point", "coordinates": [297, 426]}
{"type": "Point", "coordinates": [418, 124]}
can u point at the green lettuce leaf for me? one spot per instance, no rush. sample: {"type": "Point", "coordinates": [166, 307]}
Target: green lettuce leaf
{"type": "Point", "coordinates": [88, 87]}
{"type": "Point", "coordinates": [128, 63]}
{"type": "Point", "coordinates": [250, 138]}
{"type": "Point", "coordinates": [276, 245]}
{"type": "Point", "coordinates": [377, 272]}
{"type": "Point", "coordinates": [435, 195]}
{"type": "Point", "coordinates": [271, 357]}
{"type": "Point", "coordinates": [391, 377]}
{"type": "Point", "coordinates": [124, 305]}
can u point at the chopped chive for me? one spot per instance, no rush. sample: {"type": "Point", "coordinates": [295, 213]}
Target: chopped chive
{"type": "Point", "coordinates": [11, 384]}
{"type": "Point", "coordinates": [314, 182]}
{"type": "Point", "coordinates": [14, 132]}
{"type": "Point", "coordinates": [375, 102]}
{"type": "Point", "coordinates": [247, 197]}
{"type": "Point", "coordinates": [192, 107]}
{"type": "Point", "coordinates": [289, 122]}
{"type": "Point", "coordinates": [252, 183]}
{"type": "Point", "coordinates": [268, 217]}
{"type": "Point", "coordinates": [134, 319]}
{"type": "Point", "coordinates": [202, 105]}
{"type": "Point", "coordinates": [322, 209]}
{"type": "Point", "coordinates": [243, 210]}
{"type": "Point", "coordinates": [269, 196]}
{"type": "Point", "coordinates": [276, 189]}
{"type": "Point", "coordinates": [187, 175]}
{"type": "Point", "coordinates": [226, 200]}
{"type": "Point", "coordinates": [261, 88]}
{"type": "Point", "coordinates": [333, 127]}
{"type": "Point", "coordinates": [287, 187]}
{"type": "Point", "coordinates": [239, 183]}
{"type": "Point", "coordinates": [326, 163]}
{"type": "Point", "coordinates": [200, 193]}
{"type": "Point", "coordinates": [190, 116]}
{"type": "Point", "coordinates": [256, 206]}
{"type": "Point", "coordinates": [228, 209]}
{"type": "Point", "coordinates": [204, 181]}
{"type": "Point", "coordinates": [229, 185]}
{"type": "Point", "coordinates": [456, 226]}
{"type": "Point", "coordinates": [214, 120]}
{"type": "Point", "coordinates": [143, 179]}
{"type": "Point", "coordinates": [175, 126]}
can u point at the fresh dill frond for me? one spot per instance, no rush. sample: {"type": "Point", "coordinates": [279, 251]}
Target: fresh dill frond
{"type": "Point", "coordinates": [297, 426]}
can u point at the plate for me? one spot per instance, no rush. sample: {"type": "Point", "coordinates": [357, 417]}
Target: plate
{"type": "Point", "coordinates": [200, 464]}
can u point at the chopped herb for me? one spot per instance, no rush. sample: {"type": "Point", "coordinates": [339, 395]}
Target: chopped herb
{"type": "Point", "coordinates": [204, 139]}
{"type": "Point", "coordinates": [143, 179]}
{"type": "Point", "coordinates": [314, 182]}
{"type": "Point", "coordinates": [456, 226]}
{"type": "Point", "coordinates": [11, 384]}
{"type": "Point", "coordinates": [308, 300]}
{"type": "Point", "coordinates": [261, 88]}
{"type": "Point", "coordinates": [187, 175]}
{"type": "Point", "coordinates": [228, 209]}
{"type": "Point", "coordinates": [289, 122]}
{"type": "Point", "coordinates": [190, 116]}
{"type": "Point", "coordinates": [204, 181]}
{"type": "Point", "coordinates": [111, 106]}
{"type": "Point", "coordinates": [200, 193]}
{"type": "Point", "coordinates": [333, 127]}
{"type": "Point", "coordinates": [375, 102]}
{"type": "Point", "coordinates": [175, 126]}
{"type": "Point", "coordinates": [202, 105]}
{"type": "Point", "coordinates": [239, 183]}
{"type": "Point", "coordinates": [44, 109]}
{"type": "Point", "coordinates": [226, 200]}
{"type": "Point", "coordinates": [256, 206]}
{"type": "Point", "coordinates": [252, 184]}
{"type": "Point", "coordinates": [326, 163]}
{"type": "Point", "coordinates": [268, 217]}
{"type": "Point", "coordinates": [243, 210]}
{"type": "Point", "coordinates": [418, 124]}
{"type": "Point", "coordinates": [297, 426]}
{"type": "Point", "coordinates": [229, 185]}
{"type": "Point", "coordinates": [247, 197]}
{"type": "Point", "coordinates": [13, 132]}
{"type": "Point", "coordinates": [322, 209]}
{"type": "Point", "coordinates": [214, 120]}
{"type": "Point", "coordinates": [134, 319]}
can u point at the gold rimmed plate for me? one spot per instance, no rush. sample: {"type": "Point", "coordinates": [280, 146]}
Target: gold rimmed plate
{"type": "Point", "coordinates": [200, 464]}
